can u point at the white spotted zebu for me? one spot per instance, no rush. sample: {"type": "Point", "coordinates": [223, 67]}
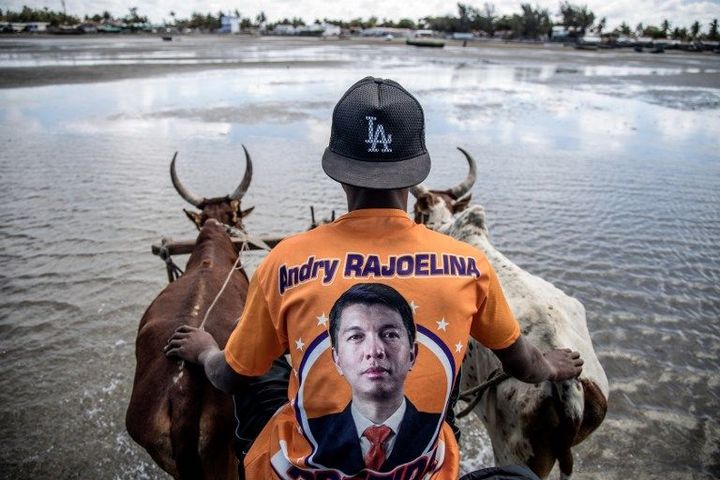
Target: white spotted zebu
{"type": "Point", "coordinates": [531, 424]}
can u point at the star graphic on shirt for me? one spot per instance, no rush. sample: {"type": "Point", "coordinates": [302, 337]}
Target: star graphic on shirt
{"type": "Point", "coordinates": [413, 306]}
{"type": "Point", "coordinates": [458, 346]}
{"type": "Point", "coordinates": [322, 320]}
{"type": "Point", "coordinates": [442, 325]}
{"type": "Point", "coordinates": [299, 344]}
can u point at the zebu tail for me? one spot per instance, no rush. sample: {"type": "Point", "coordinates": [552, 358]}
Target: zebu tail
{"type": "Point", "coordinates": [185, 405]}
{"type": "Point", "coordinates": [569, 403]}
{"type": "Point", "coordinates": [594, 410]}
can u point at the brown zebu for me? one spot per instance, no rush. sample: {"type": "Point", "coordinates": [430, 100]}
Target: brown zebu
{"type": "Point", "coordinates": [184, 423]}
{"type": "Point", "coordinates": [533, 424]}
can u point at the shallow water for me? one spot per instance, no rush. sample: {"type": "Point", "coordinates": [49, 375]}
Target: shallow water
{"type": "Point", "coordinates": [610, 190]}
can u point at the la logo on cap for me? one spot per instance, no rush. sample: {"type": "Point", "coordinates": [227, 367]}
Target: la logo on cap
{"type": "Point", "coordinates": [377, 136]}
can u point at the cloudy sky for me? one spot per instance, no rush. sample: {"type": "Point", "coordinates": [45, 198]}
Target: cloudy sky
{"type": "Point", "coordinates": [679, 12]}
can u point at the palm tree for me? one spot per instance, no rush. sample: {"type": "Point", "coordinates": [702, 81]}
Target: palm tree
{"type": "Point", "coordinates": [694, 30]}
{"type": "Point", "coordinates": [713, 30]}
{"type": "Point", "coordinates": [601, 25]}
{"type": "Point", "coordinates": [261, 18]}
{"type": "Point", "coordinates": [665, 27]}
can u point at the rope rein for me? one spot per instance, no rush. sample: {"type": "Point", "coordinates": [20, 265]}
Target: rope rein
{"type": "Point", "coordinates": [237, 266]}
{"type": "Point", "coordinates": [474, 395]}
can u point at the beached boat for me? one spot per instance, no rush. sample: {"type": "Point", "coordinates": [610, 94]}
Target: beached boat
{"type": "Point", "coordinates": [424, 38]}
{"type": "Point", "coordinates": [588, 42]}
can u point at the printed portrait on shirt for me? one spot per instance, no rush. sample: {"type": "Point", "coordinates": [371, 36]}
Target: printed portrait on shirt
{"type": "Point", "coordinates": [374, 344]}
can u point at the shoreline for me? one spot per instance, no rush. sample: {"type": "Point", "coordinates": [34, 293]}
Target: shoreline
{"type": "Point", "coordinates": [28, 77]}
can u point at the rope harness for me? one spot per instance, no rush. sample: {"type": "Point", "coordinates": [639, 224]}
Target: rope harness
{"type": "Point", "coordinates": [174, 272]}
{"type": "Point", "coordinates": [233, 232]}
{"type": "Point", "coordinates": [474, 395]}
{"type": "Point", "coordinates": [236, 266]}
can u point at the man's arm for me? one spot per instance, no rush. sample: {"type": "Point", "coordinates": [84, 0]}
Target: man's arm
{"type": "Point", "coordinates": [525, 362]}
{"type": "Point", "coordinates": [198, 346]}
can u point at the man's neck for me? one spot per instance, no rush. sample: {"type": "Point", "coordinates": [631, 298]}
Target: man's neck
{"type": "Point", "coordinates": [377, 412]}
{"type": "Point", "coordinates": [360, 198]}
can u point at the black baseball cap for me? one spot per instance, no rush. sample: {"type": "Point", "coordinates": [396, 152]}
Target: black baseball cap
{"type": "Point", "coordinates": [378, 137]}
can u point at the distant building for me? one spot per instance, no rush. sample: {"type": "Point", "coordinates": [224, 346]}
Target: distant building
{"type": "Point", "coordinates": [462, 36]}
{"type": "Point", "coordinates": [331, 30]}
{"type": "Point", "coordinates": [384, 31]}
{"type": "Point", "coordinates": [313, 30]}
{"type": "Point", "coordinates": [559, 33]}
{"type": "Point", "coordinates": [229, 24]}
{"type": "Point", "coordinates": [32, 27]}
{"type": "Point", "coordinates": [284, 29]}
{"type": "Point", "coordinates": [424, 33]}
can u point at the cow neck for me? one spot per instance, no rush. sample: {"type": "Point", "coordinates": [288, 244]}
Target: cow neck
{"type": "Point", "coordinates": [213, 247]}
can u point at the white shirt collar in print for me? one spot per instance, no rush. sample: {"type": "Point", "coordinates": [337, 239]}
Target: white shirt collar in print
{"type": "Point", "coordinates": [362, 423]}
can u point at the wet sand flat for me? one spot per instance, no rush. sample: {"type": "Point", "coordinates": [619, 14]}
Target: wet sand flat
{"type": "Point", "coordinates": [20, 77]}
{"type": "Point", "coordinates": [50, 60]}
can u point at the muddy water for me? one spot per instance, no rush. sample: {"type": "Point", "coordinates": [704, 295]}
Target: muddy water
{"type": "Point", "coordinates": [594, 175]}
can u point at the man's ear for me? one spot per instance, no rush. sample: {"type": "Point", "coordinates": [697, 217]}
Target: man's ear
{"type": "Point", "coordinates": [414, 354]}
{"type": "Point", "coordinates": [335, 360]}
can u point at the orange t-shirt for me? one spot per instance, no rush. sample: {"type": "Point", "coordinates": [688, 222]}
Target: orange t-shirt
{"type": "Point", "coordinates": [451, 288]}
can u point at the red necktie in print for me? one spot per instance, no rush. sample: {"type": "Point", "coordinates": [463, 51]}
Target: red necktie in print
{"type": "Point", "coordinates": [377, 436]}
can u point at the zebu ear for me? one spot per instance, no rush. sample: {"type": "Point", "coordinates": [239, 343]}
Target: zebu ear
{"type": "Point", "coordinates": [246, 212]}
{"type": "Point", "coordinates": [461, 203]}
{"type": "Point", "coordinates": [194, 217]}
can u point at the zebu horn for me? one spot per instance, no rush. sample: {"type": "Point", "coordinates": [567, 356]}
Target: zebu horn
{"type": "Point", "coordinates": [466, 185]}
{"type": "Point", "coordinates": [189, 196]}
{"type": "Point", "coordinates": [245, 184]}
{"type": "Point", "coordinates": [419, 190]}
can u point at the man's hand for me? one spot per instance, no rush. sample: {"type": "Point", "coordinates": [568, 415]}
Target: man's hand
{"type": "Point", "coordinates": [564, 364]}
{"type": "Point", "coordinates": [190, 344]}
{"type": "Point", "coordinates": [525, 362]}
{"type": "Point", "coordinates": [197, 346]}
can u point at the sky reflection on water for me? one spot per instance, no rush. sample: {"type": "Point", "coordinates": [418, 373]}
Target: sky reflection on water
{"type": "Point", "coordinates": [494, 103]}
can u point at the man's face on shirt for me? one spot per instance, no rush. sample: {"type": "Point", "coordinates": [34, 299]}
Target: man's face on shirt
{"type": "Point", "coordinates": [373, 351]}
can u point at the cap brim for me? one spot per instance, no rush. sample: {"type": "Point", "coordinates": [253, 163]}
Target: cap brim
{"type": "Point", "coordinates": [383, 175]}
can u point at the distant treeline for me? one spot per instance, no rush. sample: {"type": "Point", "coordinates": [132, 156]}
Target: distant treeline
{"type": "Point", "coordinates": [530, 23]}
